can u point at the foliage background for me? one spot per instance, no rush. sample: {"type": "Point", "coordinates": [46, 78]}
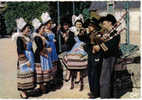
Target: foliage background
{"type": "Point", "coordinates": [31, 10]}
{"type": "Point", "coordinates": [27, 10]}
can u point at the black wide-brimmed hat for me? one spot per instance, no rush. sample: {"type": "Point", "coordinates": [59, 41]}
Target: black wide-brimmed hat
{"type": "Point", "coordinates": [94, 22]}
{"type": "Point", "coordinates": [108, 17]}
{"type": "Point", "coordinates": [66, 20]}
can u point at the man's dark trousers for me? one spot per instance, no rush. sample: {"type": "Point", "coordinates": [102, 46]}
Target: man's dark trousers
{"type": "Point", "coordinates": [94, 71]}
{"type": "Point", "coordinates": [106, 77]}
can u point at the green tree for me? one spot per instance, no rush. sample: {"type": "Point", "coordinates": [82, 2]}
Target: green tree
{"type": "Point", "coordinates": [27, 10]}
{"type": "Point", "coordinates": [83, 8]}
{"type": "Point", "coordinates": [2, 25]}
{"type": "Point", "coordinates": [31, 10]}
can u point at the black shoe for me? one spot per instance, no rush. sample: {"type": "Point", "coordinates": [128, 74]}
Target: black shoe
{"type": "Point", "coordinates": [77, 82]}
{"type": "Point", "coordinates": [81, 88]}
{"type": "Point", "coordinates": [37, 92]}
{"type": "Point", "coordinates": [66, 80]}
{"type": "Point", "coordinates": [72, 86]}
{"type": "Point", "coordinates": [44, 91]}
{"type": "Point", "coordinates": [92, 95]}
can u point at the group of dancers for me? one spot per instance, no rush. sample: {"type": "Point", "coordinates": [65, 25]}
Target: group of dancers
{"type": "Point", "coordinates": [83, 49]}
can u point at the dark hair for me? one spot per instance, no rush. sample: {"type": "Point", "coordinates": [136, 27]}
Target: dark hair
{"type": "Point", "coordinates": [47, 22]}
{"type": "Point", "coordinates": [86, 23]}
{"type": "Point", "coordinates": [62, 28]}
{"type": "Point", "coordinates": [27, 25]}
{"type": "Point", "coordinates": [65, 24]}
{"type": "Point", "coordinates": [78, 21]}
{"type": "Point", "coordinates": [94, 22]}
{"type": "Point", "coordinates": [109, 18]}
{"type": "Point", "coordinates": [37, 30]}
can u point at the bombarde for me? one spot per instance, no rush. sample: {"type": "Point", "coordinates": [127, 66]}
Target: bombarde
{"type": "Point", "coordinates": [116, 25]}
{"type": "Point", "coordinates": [111, 37]}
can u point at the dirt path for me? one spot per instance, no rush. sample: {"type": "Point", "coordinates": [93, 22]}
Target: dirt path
{"type": "Point", "coordinates": [8, 88]}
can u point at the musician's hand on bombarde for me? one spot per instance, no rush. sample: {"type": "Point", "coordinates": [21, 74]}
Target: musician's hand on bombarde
{"type": "Point", "coordinates": [102, 39]}
{"type": "Point", "coordinates": [96, 48]}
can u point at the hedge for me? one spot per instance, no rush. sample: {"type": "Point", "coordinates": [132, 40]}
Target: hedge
{"type": "Point", "coordinates": [27, 10]}
{"type": "Point", "coordinates": [31, 10]}
{"type": "Point", "coordinates": [2, 25]}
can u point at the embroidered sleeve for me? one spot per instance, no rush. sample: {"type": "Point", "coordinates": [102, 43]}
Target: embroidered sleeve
{"type": "Point", "coordinates": [39, 43]}
{"type": "Point", "coordinates": [41, 50]}
{"type": "Point", "coordinates": [20, 45]}
{"type": "Point", "coordinates": [70, 41]}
